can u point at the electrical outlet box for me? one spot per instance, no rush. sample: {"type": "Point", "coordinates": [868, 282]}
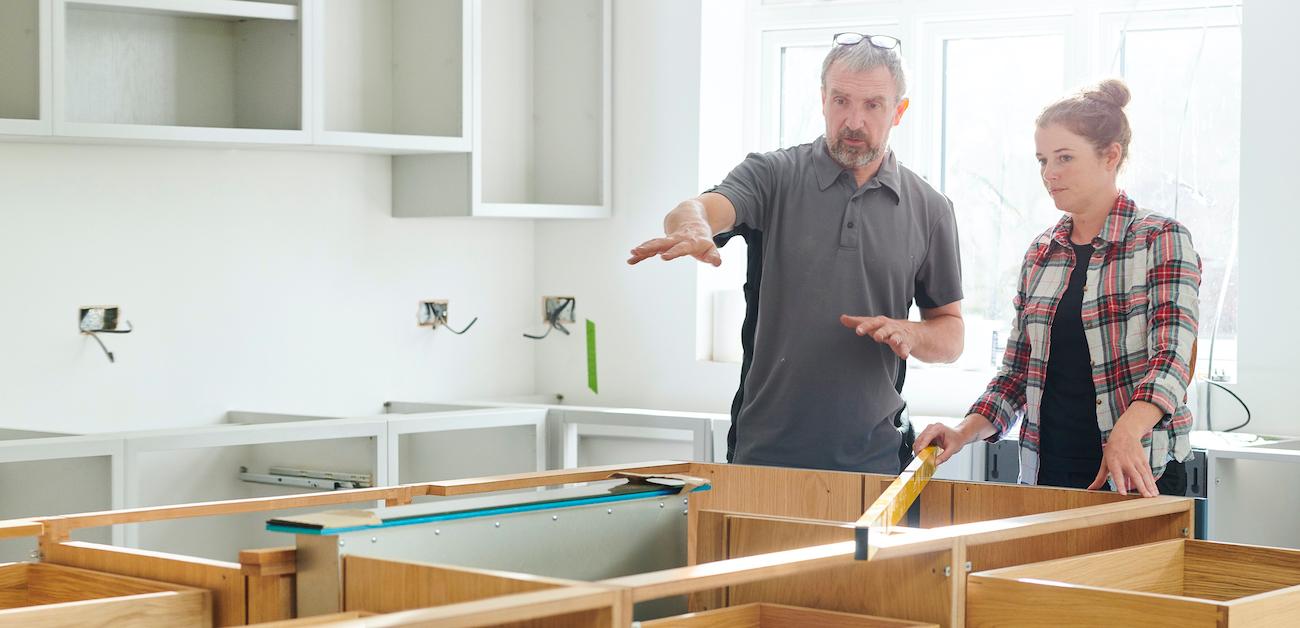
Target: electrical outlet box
{"type": "Point", "coordinates": [565, 305]}
{"type": "Point", "coordinates": [98, 318]}
{"type": "Point", "coordinates": [432, 313]}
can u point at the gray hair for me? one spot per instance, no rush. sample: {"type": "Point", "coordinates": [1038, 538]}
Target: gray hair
{"type": "Point", "coordinates": [863, 56]}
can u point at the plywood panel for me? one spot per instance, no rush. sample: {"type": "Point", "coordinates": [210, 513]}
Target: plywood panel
{"type": "Point", "coordinates": [223, 580]}
{"type": "Point", "coordinates": [710, 532]}
{"type": "Point", "coordinates": [1154, 568]}
{"type": "Point", "coordinates": [985, 501]}
{"type": "Point", "coordinates": [386, 586]}
{"type": "Point", "coordinates": [316, 620]}
{"type": "Point", "coordinates": [912, 587]}
{"type": "Point", "coordinates": [745, 616]}
{"type": "Point", "coordinates": [936, 504]}
{"type": "Point", "coordinates": [153, 610]}
{"type": "Point", "coordinates": [575, 606]}
{"type": "Point", "coordinates": [52, 584]}
{"type": "Point", "coordinates": [998, 602]}
{"type": "Point", "coordinates": [270, 598]}
{"type": "Point", "coordinates": [777, 616]}
{"type": "Point", "coordinates": [749, 535]}
{"type": "Point", "coordinates": [13, 585]}
{"type": "Point", "coordinates": [1225, 571]}
{"type": "Point", "coordinates": [1279, 608]}
{"type": "Point", "coordinates": [828, 495]}
{"type": "Point", "coordinates": [1085, 540]}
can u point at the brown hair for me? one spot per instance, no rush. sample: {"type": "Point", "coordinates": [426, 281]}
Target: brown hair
{"type": "Point", "coordinates": [1096, 114]}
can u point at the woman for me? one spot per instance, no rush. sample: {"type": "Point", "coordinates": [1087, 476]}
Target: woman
{"type": "Point", "coordinates": [1099, 355]}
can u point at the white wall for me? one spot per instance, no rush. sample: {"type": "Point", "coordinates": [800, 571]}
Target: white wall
{"type": "Point", "coordinates": [645, 315]}
{"type": "Point", "coordinates": [257, 280]}
{"type": "Point", "coordinates": [1270, 221]}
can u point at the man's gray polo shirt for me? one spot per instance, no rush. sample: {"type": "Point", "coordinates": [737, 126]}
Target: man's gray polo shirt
{"type": "Point", "coordinates": [817, 395]}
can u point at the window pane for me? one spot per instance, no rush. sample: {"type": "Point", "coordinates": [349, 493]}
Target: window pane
{"type": "Point", "coordinates": [1186, 152]}
{"type": "Point", "coordinates": [989, 170]}
{"type": "Point", "coordinates": [801, 104]}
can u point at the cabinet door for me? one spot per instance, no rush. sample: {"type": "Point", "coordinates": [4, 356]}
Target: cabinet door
{"type": "Point", "coordinates": [25, 67]}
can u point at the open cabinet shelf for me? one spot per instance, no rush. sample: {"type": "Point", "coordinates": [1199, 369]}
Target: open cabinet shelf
{"type": "Point", "coordinates": [392, 75]}
{"type": "Point", "coordinates": [541, 140]}
{"type": "Point", "coordinates": [200, 70]}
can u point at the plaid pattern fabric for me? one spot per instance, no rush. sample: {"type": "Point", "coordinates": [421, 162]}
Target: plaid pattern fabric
{"type": "Point", "coordinates": [1139, 317]}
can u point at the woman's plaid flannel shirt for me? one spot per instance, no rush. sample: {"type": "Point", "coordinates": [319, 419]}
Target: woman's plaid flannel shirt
{"type": "Point", "coordinates": [1139, 316]}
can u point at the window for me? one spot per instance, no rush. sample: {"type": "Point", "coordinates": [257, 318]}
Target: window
{"type": "Point", "coordinates": [978, 80]}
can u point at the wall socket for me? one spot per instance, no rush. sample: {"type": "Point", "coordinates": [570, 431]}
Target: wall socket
{"type": "Point", "coordinates": [98, 318]}
{"type": "Point", "coordinates": [549, 304]}
{"type": "Point", "coordinates": [432, 313]}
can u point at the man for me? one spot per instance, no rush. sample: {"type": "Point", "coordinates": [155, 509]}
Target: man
{"type": "Point", "coordinates": [849, 238]}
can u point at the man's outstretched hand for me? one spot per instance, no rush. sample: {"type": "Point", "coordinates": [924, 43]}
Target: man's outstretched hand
{"type": "Point", "coordinates": [899, 335]}
{"type": "Point", "coordinates": [690, 240]}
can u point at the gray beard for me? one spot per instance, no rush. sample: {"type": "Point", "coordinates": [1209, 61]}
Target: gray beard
{"type": "Point", "coordinates": [853, 158]}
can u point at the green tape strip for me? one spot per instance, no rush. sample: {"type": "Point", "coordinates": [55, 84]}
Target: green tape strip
{"type": "Point", "coordinates": [591, 357]}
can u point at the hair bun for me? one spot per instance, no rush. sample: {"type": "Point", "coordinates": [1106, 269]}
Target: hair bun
{"type": "Point", "coordinates": [1110, 91]}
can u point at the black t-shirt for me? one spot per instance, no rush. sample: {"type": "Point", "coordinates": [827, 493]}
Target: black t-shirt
{"type": "Point", "coordinates": [1069, 437]}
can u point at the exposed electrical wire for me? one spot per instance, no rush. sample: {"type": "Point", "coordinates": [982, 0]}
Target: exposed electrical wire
{"type": "Point", "coordinates": [553, 319]}
{"type": "Point", "coordinates": [442, 318]}
{"type": "Point", "coordinates": [1243, 405]}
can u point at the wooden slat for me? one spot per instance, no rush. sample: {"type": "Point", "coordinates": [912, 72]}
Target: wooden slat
{"type": "Point", "coordinates": [685, 580]}
{"type": "Point", "coordinates": [386, 586]}
{"type": "Point", "coordinates": [1172, 512]}
{"type": "Point", "coordinates": [1152, 568]}
{"type": "Point", "coordinates": [1226, 571]}
{"type": "Point", "coordinates": [224, 580]}
{"type": "Point", "coordinates": [270, 561]}
{"type": "Point", "coordinates": [914, 587]}
{"type": "Point", "coordinates": [992, 601]}
{"type": "Point", "coordinates": [548, 478]}
{"type": "Point", "coordinates": [63, 524]}
{"type": "Point", "coordinates": [66, 523]}
{"type": "Point", "coordinates": [15, 528]}
{"type": "Point", "coordinates": [149, 610]}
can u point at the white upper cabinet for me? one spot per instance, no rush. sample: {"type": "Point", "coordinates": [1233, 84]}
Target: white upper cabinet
{"type": "Point", "coordinates": [25, 67]}
{"type": "Point", "coordinates": [490, 107]}
{"type": "Point", "coordinates": [392, 75]}
{"type": "Point", "coordinates": [200, 70]}
{"type": "Point", "coordinates": [541, 140]}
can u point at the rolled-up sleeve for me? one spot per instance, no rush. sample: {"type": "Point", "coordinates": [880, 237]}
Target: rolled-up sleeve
{"type": "Point", "coordinates": [1173, 289]}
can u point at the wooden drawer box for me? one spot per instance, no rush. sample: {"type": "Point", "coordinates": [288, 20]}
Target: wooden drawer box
{"type": "Point", "coordinates": [38, 594]}
{"type": "Point", "coordinates": [777, 616]}
{"type": "Point", "coordinates": [1180, 583]}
